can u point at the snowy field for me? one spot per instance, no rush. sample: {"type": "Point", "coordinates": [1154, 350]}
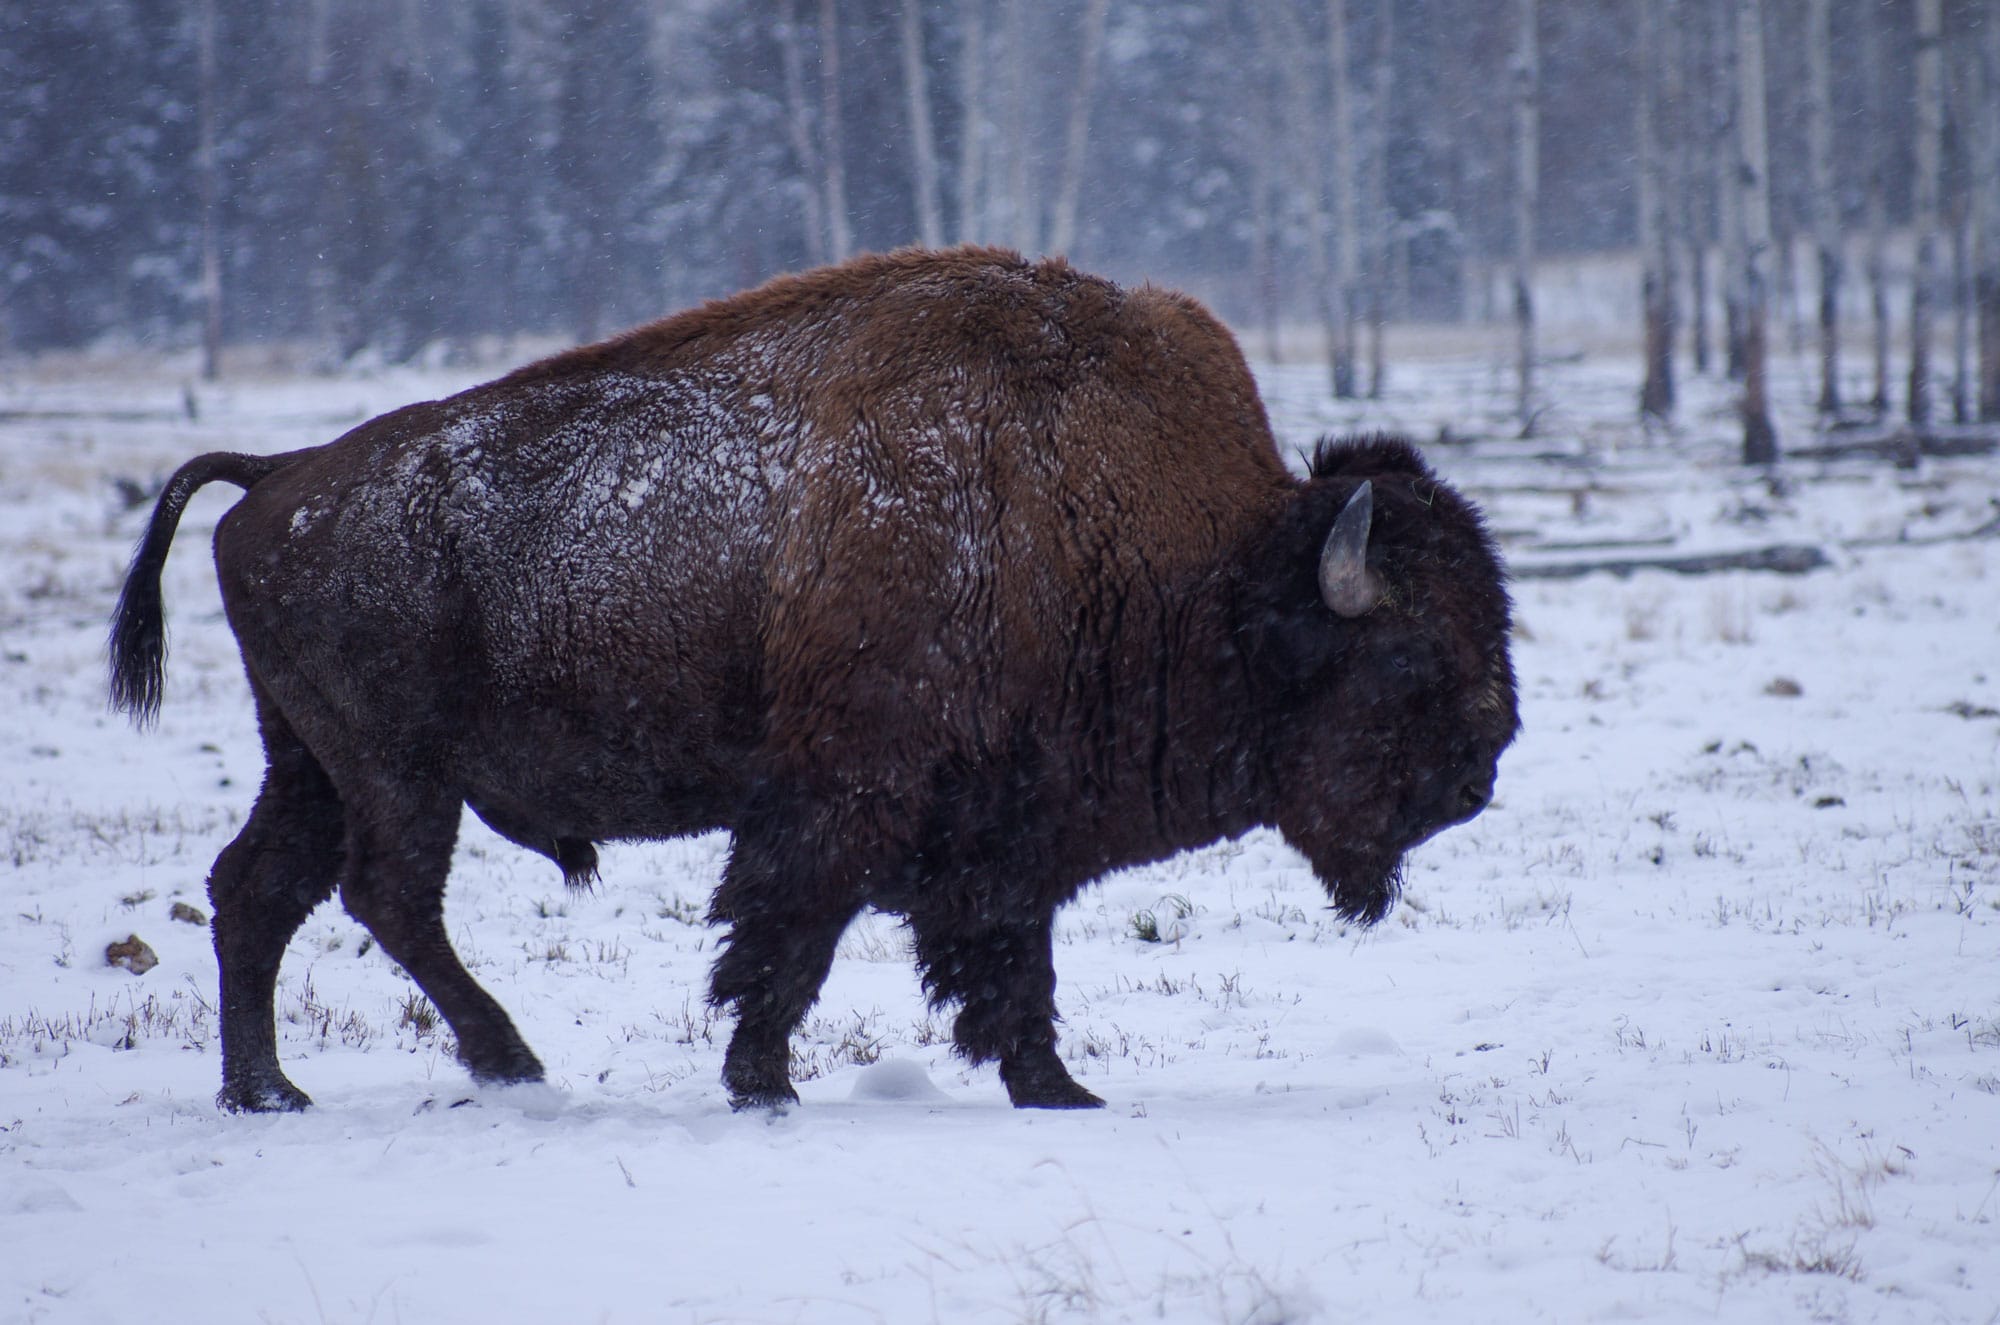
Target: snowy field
{"type": "Point", "coordinates": [1701, 1020]}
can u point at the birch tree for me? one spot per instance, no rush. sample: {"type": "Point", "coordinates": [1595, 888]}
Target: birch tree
{"type": "Point", "coordinates": [1346, 238]}
{"type": "Point", "coordinates": [1929, 136]}
{"type": "Point", "coordinates": [210, 170]}
{"type": "Point", "coordinates": [923, 147]}
{"type": "Point", "coordinates": [1020, 204]}
{"type": "Point", "coordinates": [1984, 176]}
{"type": "Point", "coordinates": [1069, 190]}
{"type": "Point", "coordinates": [1760, 440]}
{"type": "Point", "coordinates": [1825, 216]}
{"type": "Point", "coordinates": [1877, 256]}
{"type": "Point", "coordinates": [1697, 204]}
{"type": "Point", "coordinates": [839, 233]}
{"type": "Point", "coordinates": [1527, 164]}
{"type": "Point", "coordinates": [1384, 246]}
{"type": "Point", "coordinates": [1964, 387]}
{"type": "Point", "coordinates": [1962, 81]}
{"type": "Point", "coordinates": [1656, 392]}
{"type": "Point", "coordinates": [1279, 43]}
{"type": "Point", "coordinates": [1727, 128]}
{"type": "Point", "coordinates": [798, 129]}
{"type": "Point", "coordinates": [972, 117]}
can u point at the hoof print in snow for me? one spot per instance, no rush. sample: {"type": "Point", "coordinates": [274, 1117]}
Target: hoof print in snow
{"type": "Point", "coordinates": [133, 954]}
{"type": "Point", "coordinates": [187, 915]}
{"type": "Point", "coordinates": [1785, 687]}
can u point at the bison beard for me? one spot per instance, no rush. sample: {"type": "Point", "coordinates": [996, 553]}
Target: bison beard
{"type": "Point", "coordinates": [946, 582]}
{"type": "Point", "coordinates": [1363, 889]}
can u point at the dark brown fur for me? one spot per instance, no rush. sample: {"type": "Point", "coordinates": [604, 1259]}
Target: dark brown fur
{"type": "Point", "coordinates": [945, 581]}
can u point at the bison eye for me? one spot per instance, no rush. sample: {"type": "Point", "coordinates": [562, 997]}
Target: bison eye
{"type": "Point", "coordinates": [1400, 661]}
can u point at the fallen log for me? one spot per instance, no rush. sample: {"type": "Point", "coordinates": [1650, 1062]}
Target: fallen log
{"type": "Point", "coordinates": [1781, 559]}
{"type": "Point", "coordinates": [1903, 446]}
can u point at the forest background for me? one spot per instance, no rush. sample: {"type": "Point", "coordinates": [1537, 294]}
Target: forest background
{"type": "Point", "coordinates": [378, 180]}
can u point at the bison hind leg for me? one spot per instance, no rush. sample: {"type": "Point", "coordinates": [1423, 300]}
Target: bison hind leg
{"type": "Point", "coordinates": [1002, 974]}
{"type": "Point", "coordinates": [399, 844]}
{"type": "Point", "coordinates": [262, 887]}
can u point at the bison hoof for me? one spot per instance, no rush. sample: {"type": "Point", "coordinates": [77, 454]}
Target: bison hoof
{"type": "Point", "coordinates": [1048, 1087]}
{"type": "Point", "coordinates": [263, 1096]}
{"type": "Point", "coordinates": [757, 1074]}
{"type": "Point", "coordinates": [508, 1063]}
{"type": "Point", "coordinates": [1069, 1096]}
{"type": "Point", "coordinates": [766, 1100]}
{"type": "Point", "coordinates": [532, 1076]}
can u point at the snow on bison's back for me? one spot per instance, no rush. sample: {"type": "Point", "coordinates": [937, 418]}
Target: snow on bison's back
{"type": "Point", "coordinates": [944, 580]}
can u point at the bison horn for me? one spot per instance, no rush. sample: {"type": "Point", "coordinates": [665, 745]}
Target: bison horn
{"type": "Point", "coordinates": [1345, 581]}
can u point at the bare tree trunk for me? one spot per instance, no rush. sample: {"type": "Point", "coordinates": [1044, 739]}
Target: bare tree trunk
{"type": "Point", "coordinates": [1259, 138]}
{"type": "Point", "coordinates": [798, 128]}
{"type": "Point", "coordinates": [1825, 214]}
{"type": "Point", "coordinates": [972, 117]}
{"type": "Point", "coordinates": [1656, 392]}
{"type": "Point", "coordinates": [211, 200]}
{"type": "Point", "coordinates": [923, 148]}
{"type": "Point", "coordinates": [317, 40]}
{"type": "Point", "coordinates": [1784, 261]}
{"type": "Point", "coordinates": [1264, 236]}
{"type": "Point", "coordinates": [1760, 440]}
{"type": "Point", "coordinates": [1383, 246]}
{"type": "Point", "coordinates": [1527, 169]}
{"type": "Point", "coordinates": [1729, 186]}
{"type": "Point", "coordinates": [1985, 177]}
{"type": "Point", "coordinates": [1021, 206]}
{"type": "Point", "coordinates": [839, 235]}
{"type": "Point", "coordinates": [320, 281]}
{"type": "Point", "coordinates": [1670, 121]}
{"type": "Point", "coordinates": [1280, 45]}
{"type": "Point", "coordinates": [1963, 82]}
{"type": "Point", "coordinates": [1875, 239]}
{"type": "Point", "coordinates": [1963, 408]}
{"type": "Point", "coordinates": [1929, 130]}
{"type": "Point", "coordinates": [1695, 215]}
{"type": "Point", "coordinates": [1346, 239]}
{"type": "Point", "coordinates": [1878, 299]}
{"type": "Point", "coordinates": [1699, 297]}
{"type": "Point", "coordinates": [1062, 224]}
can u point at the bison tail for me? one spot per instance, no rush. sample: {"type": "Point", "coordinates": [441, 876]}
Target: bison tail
{"type": "Point", "coordinates": [139, 626]}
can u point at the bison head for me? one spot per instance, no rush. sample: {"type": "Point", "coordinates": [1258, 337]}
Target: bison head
{"type": "Point", "coordinates": [1377, 628]}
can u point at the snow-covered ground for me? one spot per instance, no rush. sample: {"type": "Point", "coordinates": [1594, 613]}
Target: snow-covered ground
{"type": "Point", "coordinates": [1700, 1020]}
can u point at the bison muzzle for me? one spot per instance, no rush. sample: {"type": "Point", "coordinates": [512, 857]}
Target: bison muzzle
{"type": "Point", "coordinates": [944, 581]}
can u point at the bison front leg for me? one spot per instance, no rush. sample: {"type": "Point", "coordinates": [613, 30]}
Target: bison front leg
{"type": "Point", "coordinates": [1001, 971]}
{"type": "Point", "coordinates": [786, 914]}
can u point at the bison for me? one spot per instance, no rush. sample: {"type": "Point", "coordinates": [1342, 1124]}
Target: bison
{"type": "Point", "coordinates": [945, 581]}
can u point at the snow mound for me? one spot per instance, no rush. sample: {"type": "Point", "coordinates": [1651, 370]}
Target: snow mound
{"type": "Point", "coordinates": [1365, 1042]}
{"type": "Point", "coordinates": [896, 1079]}
{"type": "Point", "coordinates": [532, 1099]}
{"type": "Point", "coordinates": [31, 1195]}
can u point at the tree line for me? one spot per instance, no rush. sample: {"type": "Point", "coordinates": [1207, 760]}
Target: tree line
{"type": "Point", "coordinates": [374, 177]}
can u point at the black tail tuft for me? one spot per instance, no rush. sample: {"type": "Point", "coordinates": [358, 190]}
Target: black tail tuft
{"type": "Point", "coordinates": [139, 636]}
{"type": "Point", "coordinates": [139, 626]}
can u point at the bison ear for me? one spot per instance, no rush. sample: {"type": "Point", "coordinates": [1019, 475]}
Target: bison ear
{"type": "Point", "coordinates": [1345, 582]}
